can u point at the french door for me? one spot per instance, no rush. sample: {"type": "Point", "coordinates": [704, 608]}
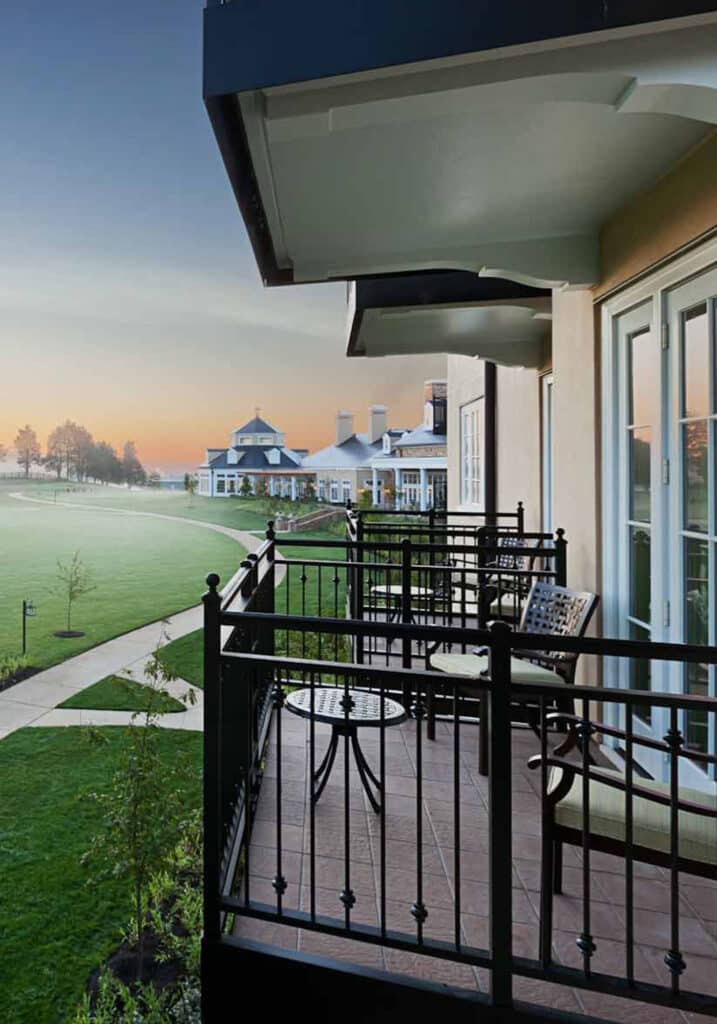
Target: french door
{"type": "Point", "coordinates": [690, 320]}
{"type": "Point", "coordinates": [661, 516]}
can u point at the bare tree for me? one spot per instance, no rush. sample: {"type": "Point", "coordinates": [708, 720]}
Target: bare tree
{"type": "Point", "coordinates": [74, 580]}
{"type": "Point", "coordinates": [27, 447]}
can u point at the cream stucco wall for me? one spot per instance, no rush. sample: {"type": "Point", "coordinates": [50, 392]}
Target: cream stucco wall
{"type": "Point", "coordinates": [517, 433]}
{"type": "Point", "coordinates": [576, 431]}
{"type": "Point", "coordinates": [465, 384]}
{"type": "Point", "coordinates": [518, 442]}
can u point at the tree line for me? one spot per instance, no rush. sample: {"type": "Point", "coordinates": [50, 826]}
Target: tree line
{"type": "Point", "coordinates": [72, 452]}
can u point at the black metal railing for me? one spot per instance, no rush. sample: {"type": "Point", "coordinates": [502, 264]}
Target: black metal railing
{"type": "Point", "coordinates": [246, 687]}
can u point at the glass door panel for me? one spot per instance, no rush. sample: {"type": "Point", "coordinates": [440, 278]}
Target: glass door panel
{"type": "Point", "coordinates": [690, 313]}
{"type": "Point", "coordinates": [639, 502]}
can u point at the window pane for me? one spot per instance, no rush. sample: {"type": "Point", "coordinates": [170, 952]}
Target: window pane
{"type": "Point", "coordinates": [695, 349]}
{"type": "Point", "coordinates": [640, 672]}
{"type": "Point", "coordinates": [640, 474]}
{"type": "Point", "coordinates": [695, 446]}
{"type": "Point", "coordinates": [640, 574]}
{"type": "Point", "coordinates": [696, 632]}
{"type": "Point", "coordinates": [644, 378]}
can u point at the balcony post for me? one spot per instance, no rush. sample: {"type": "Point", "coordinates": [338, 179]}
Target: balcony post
{"type": "Point", "coordinates": [374, 487]}
{"type": "Point", "coordinates": [500, 810]}
{"type": "Point", "coordinates": [561, 562]}
{"type": "Point", "coordinates": [212, 759]}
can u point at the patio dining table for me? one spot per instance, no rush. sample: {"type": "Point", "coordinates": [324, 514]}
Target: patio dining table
{"type": "Point", "coordinates": [346, 711]}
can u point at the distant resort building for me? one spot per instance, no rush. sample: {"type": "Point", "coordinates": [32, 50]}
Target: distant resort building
{"type": "Point", "coordinates": [416, 459]}
{"type": "Point", "coordinates": [257, 453]}
{"type": "Point", "coordinates": [396, 467]}
{"type": "Point", "coordinates": [387, 467]}
{"type": "Point", "coordinates": [343, 469]}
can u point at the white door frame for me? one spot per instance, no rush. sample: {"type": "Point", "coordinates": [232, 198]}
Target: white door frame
{"type": "Point", "coordinates": [655, 290]}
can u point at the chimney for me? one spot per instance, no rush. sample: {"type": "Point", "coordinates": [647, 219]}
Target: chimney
{"type": "Point", "coordinates": [344, 426]}
{"type": "Point", "coordinates": [377, 423]}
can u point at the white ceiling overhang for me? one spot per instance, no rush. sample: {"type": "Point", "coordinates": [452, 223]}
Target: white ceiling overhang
{"type": "Point", "coordinates": [504, 162]}
{"type": "Point", "coordinates": [449, 312]}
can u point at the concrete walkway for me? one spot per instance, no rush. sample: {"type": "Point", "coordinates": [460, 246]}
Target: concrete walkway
{"type": "Point", "coordinates": [35, 701]}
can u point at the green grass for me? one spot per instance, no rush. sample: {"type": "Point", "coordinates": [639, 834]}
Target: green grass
{"type": "Point", "coordinates": [144, 569]}
{"type": "Point", "coordinates": [56, 928]}
{"type": "Point", "coordinates": [242, 513]}
{"type": "Point", "coordinates": [116, 694]}
{"type": "Point", "coordinates": [184, 658]}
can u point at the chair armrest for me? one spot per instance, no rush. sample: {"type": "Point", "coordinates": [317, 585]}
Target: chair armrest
{"type": "Point", "coordinates": [570, 771]}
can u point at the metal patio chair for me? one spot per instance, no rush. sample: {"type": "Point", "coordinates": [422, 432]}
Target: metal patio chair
{"type": "Point", "coordinates": [640, 827]}
{"type": "Point", "coordinates": [549, 609]}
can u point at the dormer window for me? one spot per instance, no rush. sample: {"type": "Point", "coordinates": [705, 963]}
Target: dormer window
{"type": "Point", "coordinates": [386, 444]}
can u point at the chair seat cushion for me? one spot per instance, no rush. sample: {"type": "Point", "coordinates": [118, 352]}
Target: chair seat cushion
{"type": "Point", "coordinates": [651, 821]}
{"type": "Point", "coordinates": [472, 666]}
{"type": "Point", "coordinates": [509, 604]}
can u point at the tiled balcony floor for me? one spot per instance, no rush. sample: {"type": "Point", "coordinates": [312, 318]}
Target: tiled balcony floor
{"type": "Point", "coordinates": [652, 923]}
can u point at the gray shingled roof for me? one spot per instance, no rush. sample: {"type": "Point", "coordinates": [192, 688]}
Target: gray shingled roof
{"type": "Point", "coordinates": [257, 426]}
{"type": "Point", "coordinates": [255, 457]}
{"type": "Point", "coordinates": [419, 437]}
{"type": "Point", "coordinates": [354, 452]}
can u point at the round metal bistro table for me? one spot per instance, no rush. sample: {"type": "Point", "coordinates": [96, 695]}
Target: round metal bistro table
{"type": "Point", "coordinates": [363, 712]}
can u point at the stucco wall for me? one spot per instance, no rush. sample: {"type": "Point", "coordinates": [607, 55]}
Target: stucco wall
{"type": "Point", "coordinates": [518, 442]}
{"type": "Point", "coordinates": [677, 209]}
{"type": "Point", "coordinates": [465, 383]}
{"type": "Point", "coordinates": [576, 429]}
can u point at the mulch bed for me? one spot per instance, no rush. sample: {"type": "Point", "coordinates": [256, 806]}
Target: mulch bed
{"type": "Point", "coordinates": [18, 677]}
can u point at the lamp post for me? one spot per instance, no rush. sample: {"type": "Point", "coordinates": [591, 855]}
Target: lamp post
{"type": "Point", "coordinates": [29, 611]}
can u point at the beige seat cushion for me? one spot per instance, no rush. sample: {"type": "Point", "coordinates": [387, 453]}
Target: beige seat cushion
{"type": "Point", "coordinates": [472, 666]}
{"type": "Point", "coordinates": [508, 604]}
{"type": "Point", "coordinates": [651, 821]}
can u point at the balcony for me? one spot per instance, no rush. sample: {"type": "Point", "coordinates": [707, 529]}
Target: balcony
{"type": "Point", "coordinates": [438, 899]}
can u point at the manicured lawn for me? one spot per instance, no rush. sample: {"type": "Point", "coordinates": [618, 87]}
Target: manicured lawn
{"type": "Point", "coordinates": [144, 570]}
{"type": "Point", "coordinates": [184, 658]}
{"type": "Point", "coordinates": [244, 514]}
{"type": "Point", "coordinates": [55, 928]}
{"type": "Point", "coordinates": [116, 694]}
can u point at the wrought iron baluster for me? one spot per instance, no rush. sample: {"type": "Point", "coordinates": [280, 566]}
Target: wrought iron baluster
{"type": "Point", "coordinates": [348, 897]}
{"type": "Point", "coordinates": [456, 818]}
{"type": "Point", "coordinates": [382, 811]}
{"type": "Point", "coordinates": [548, 847]}
{"type": "Point", "coordinates": [303, 579]}
{"type": "Point", "coordinates": [320, 608]}
{"type": "Point", "coordinates": [585, 942]}
{"type": "Point", "coordinates": [418, 910]}
{"type": "Point", "coordinates": [312, 798]}
{"type": "Point", "coordinates": [674, 959]}
{"type": "Point", "coordinates": [279, 883]}
{"type": "Point", "coordinates": [500, 789]}
{"type": "Point", "coordinates": [629, 857]}
{"type": "Point", "coordinates": [336, 581]}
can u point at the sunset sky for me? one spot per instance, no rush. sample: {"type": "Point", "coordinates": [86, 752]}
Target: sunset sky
{"type": "Point", "coordinates": [129, 298]}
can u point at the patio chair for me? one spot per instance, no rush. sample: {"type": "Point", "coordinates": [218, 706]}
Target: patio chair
{"type": "Point", "coordinates": [549, 609]}
{"type": "Point", "coordinates": [498, 591]}
{"type": "Point", "coordinates": [607, 820]}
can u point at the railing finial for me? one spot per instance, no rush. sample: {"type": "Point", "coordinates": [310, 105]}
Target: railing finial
{"type": "Point", "coordinates": [213, 581]}
{"type": "Point", "coordinates": [270, 535]}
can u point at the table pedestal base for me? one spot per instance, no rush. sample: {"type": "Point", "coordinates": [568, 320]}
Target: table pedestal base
{"type": "Point", "coordinates": [368, 779]}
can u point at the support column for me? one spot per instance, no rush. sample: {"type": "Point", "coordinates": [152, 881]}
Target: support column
{"type": "Point", "coordinates": [293, 488]}
{"type": "Point", "coordinates": [374, 487]}
{"type": "Point", "coordinates": [424, 488]}
{"type": "Point", "coordinates": [397, 495]}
